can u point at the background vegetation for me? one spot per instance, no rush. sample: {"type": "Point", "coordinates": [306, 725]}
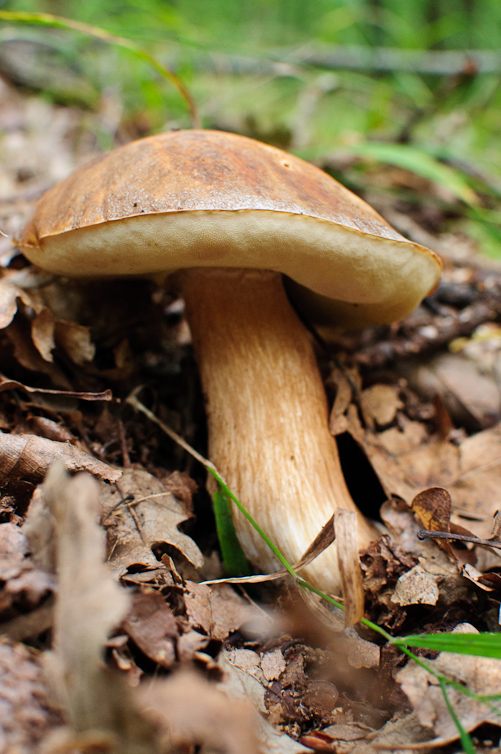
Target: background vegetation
{"type": "Point", "coordinates": [411, 84]}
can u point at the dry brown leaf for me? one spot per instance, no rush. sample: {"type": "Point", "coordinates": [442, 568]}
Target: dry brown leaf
{"type": "Point", "coordinates": [27, 711]}
{"type": "Point", "coordinates": [138, 514]}
{"type": "Point", "coordinates": [75, 341]}
{"type": "Point", "coordinates": [479, 674]}
{"type": "Point", "coordinates": [470, 395]}
{"type": "Point", "coordinates": [43, 334]}
{"type": "Point", "coordinates": [21, 581]}
{"type": "Point", "coordinates": [230, 612]}
{"type": "Point", "coordinates": [8, 302]}
{"type": "Point", "coordinates": [28, 457]}
{"type": "Point", "coordinates": [337, 420]}
{"type": "Point", "coordinates": [190, 711]}
{"type": "Point", "coordinates": [416, 587]}
{"type": "Point", "coordinates": [340, 738]}
{"type": "Point", "coordinates": [407, 461]}
{"type": "Point", "coordinates": [383, 563]}
{"type": "Point", "coordinates": [396, 737]}
{"type": "Point", "coordinates": [380, 403]}
{"type": "Point", "coordinates": [404, 530]}
{"type": "Point", "coordinates": [432, 508]}
{"type": "Point", "coordinates": [30, 625]}
{"type": "Point", "coordinates": [10, 293]}
{"type": "Point", "coordinates": [8, 384]}
{"type": "Point", "coordinates": [272, 664]}
{"type": "Point", "coordinates": [190, 647]}
{"type": "Point", "coordinates": [324, 538]}
{"type": "Point", "coordinates": [242, 684]}
{"type": "Point", "coordinates": [27, 355]}
{"type": "Point", "coordinates": [89, 602]}
{"type": "Point", "coordinates": [198, 606]}
{"type": "Point", "coordinates": [152, 626]}
{"type": "Point", "coordinates": [88, 606]}
{"type": "Point", "coordinates": [345, 523]}
{"type": "Point", "coordinates": [48, 332]}
{"type": "Point", "coordinates": [476, 488]}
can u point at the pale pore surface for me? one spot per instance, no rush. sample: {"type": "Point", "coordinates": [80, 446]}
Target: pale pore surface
{"type": "Point", "coordinates": [384, 279]}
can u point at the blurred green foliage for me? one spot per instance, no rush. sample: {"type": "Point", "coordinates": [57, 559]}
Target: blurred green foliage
{"type": "Point", "coordinates": [255, 66]}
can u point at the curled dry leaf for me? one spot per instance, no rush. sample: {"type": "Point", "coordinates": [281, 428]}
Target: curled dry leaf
{"type": "Point", "coordinates": [343, 381]}
{"type": "Point", "coordinates": [8, 384]}
{"type": "Point", "coordinates": [89, 602]}
{"type": "Point", "coordinates": [432, 508]}
{"type": "Point", "coordinates": [340, 738]}
{"type": "Point", "coordinates": [10, 293]}
{"type": "Point", "coordinates": [138, 514]}
{"type": "Point", "coordinates": [345, 523]}
{"type": "Point", "coordinates": [28, 457]}
{"type": "Point", "coordinates": [152, 626]}
{"type": "Point", "coordinates": [48, 332]}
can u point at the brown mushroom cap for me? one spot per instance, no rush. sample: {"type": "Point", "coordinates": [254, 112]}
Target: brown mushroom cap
{"type": "Point", "coordinates": [206, 198]}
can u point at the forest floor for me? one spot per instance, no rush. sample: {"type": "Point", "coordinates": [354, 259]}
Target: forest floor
{"type": "Point", "coordinates": [233, 668]}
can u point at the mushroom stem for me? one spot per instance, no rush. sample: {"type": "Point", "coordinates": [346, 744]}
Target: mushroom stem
{"type": "Point", "coordinates": [267, 415]}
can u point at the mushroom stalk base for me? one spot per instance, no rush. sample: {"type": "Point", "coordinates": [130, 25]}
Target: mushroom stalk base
{"type": "Point", "coordinates": [267, 416]}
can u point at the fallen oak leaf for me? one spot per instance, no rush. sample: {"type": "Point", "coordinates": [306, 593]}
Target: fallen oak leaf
{"type": "Point", "coordinates": [139, 514]}
{"type": "Point", "coordinates": [28, 458]}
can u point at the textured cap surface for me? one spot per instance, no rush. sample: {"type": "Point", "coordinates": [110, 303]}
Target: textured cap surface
{"type": "Point", "coordinates": [200, 198]}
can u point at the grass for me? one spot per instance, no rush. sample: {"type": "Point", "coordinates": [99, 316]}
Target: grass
{"type": "Point", "coordinates": [425, 124]}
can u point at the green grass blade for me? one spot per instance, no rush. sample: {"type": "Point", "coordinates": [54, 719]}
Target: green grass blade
{"type": "Point", "coordinates": [234, 560]}
{"type": "Point", "coordinates": [464, 736]}
{"type": "Point", "coordinates": [480, 645]}
{"type": "Point", "coordinates": [418, 162]}
{"type": "Point", "coordinates": [57, 22]}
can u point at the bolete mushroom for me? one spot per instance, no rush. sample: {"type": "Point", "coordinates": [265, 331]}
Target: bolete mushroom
{"type": "Point", "coordinates": [235, 216]}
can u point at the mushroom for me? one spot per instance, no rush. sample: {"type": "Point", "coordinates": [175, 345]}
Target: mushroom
{"type": "Point", "coordinates": [232, 217]}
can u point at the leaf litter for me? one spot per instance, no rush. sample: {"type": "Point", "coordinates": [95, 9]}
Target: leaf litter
{"type": "Point", "coordinates": [236, 669]}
